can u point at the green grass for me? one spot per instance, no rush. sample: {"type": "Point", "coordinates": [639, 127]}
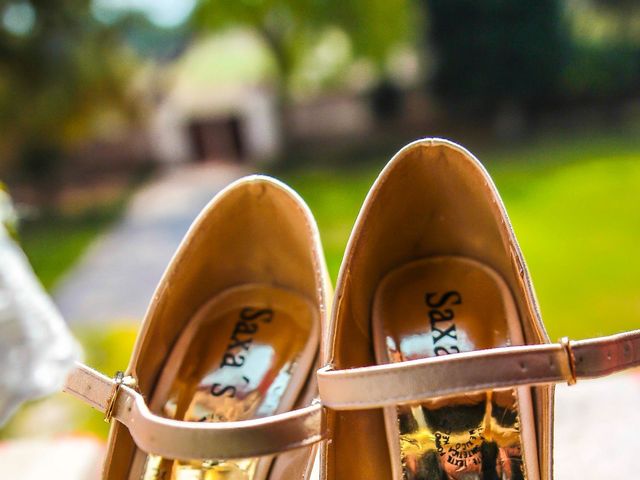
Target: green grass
{"type": "Point", "coordinates": [575, 207]}
{"type": "Point", "coordinates": [53, 241]}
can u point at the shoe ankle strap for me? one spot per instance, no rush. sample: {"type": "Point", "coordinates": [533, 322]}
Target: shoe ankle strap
{"type": "Point", "coordinates": [417, 380]}
{"type": "Point", "coordinates": [193, 440]}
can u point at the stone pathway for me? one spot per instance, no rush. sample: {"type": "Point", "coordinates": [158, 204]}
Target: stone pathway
{"type": "Point", "coordinates": [118, 274]}
{"type": "Point", "coordinates": [66, 458]}
{"type": "Point", "coordinates": [596, 428]}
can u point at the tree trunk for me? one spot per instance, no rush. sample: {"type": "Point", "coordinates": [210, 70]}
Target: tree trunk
{"type": "Point", "coordinates": [284, 67]}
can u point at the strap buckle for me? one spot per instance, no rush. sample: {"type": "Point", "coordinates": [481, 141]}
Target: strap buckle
{"type": "Point", "coordinates": [120, 379]}
{"type": "Point", "coordinates": [571, 360]}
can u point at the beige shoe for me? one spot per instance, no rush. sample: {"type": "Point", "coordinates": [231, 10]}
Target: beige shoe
{"type": "Point", "coordinates": [224, 363]}
{"type": "Point", "coordinates": [424, 377]}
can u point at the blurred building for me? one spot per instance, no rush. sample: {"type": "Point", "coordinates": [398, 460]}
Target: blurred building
{"type": "Point", "coordinates": [210, 124]}
{"type": "Point", "coordinates": [218, 101]}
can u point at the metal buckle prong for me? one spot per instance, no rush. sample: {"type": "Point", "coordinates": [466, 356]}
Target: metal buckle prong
{"type": "Point", "coordinates": [571, 360]}
{"type": "Point", "coordinates": [120, 379]}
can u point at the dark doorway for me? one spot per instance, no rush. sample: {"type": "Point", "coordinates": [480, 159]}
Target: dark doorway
{"type": "Point", "coordinates": [217, 139]}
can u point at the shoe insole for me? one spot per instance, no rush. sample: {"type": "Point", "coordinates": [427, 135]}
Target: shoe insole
{"type": "Point", "coordinates": [245, 354]}
{"type": "Point", "coordinates": [442, 306]}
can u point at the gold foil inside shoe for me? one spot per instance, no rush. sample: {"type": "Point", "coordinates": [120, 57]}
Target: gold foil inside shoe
{"type": "Point", "coordinates": [480, 440]}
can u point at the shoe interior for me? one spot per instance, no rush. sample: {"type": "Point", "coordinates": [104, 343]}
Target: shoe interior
{"type": "Point", "coordinates": [432, 200]}
{"type": "Point", "coordinates": [441, 306]}
{"type": "Point", "coordinates": [253, 248]}
{"type": "Point", "coordinates": [244, 355]}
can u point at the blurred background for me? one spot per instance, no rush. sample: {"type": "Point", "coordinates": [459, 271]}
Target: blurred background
{"type": "Point", "coordinates": [119, 119]}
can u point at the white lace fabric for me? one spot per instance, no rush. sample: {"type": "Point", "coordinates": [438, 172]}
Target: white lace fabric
{"type": "Point", "coordinates": [36, 348]}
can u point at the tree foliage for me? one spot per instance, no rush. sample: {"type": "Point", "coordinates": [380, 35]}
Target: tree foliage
{"type": "Point", "coordinates": [290, 27]}
{"type": "Point", "coordinates": [627, 13]}
{"type": "Point", "coordinates": [494, 51]}
{"type": "Point", "coordinates": [57, 73]}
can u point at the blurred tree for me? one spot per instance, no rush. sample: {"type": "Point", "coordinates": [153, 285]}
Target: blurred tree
{"type": "Point", "coordinates": [627, 13]}
{"type": "Point", "coordinates": [289, 28]}
{"type": "Point", "coordinates": [603, 73]}
{"type": "Point", "coordinates": [496, 53]}
{"type": "Point", "coordinates": [60, 71]}
{"type": "Point", "coordinates": [604, 66]}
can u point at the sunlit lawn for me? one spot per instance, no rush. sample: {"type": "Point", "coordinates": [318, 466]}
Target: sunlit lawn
{"type": "Point", "coordinates": [54, 242]}
{"type": "Point", "coordinates": [575, 206]}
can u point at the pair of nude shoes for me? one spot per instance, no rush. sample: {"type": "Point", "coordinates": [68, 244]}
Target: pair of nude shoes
{"type": "Point", "coordinates": [430, 361]}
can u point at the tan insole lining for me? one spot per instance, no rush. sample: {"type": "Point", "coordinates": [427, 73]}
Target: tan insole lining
{"type": "Point", "coordinates": [245, 354]}
{"type": "Point", "coordinates": [442, 306]}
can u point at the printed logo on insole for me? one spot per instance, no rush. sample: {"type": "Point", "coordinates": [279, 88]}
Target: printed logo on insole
{"type": "Point", "coordinates": [442, 320]}
{"type": "Point", "coordinates": [240, 342]}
